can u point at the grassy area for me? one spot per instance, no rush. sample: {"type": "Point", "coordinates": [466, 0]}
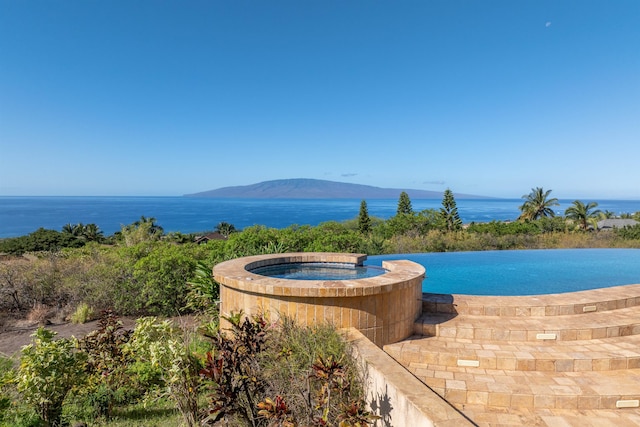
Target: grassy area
{"type": "Point", "coordinates": [156, 414]}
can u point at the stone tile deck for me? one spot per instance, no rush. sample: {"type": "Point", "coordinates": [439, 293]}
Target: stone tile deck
{"type": "Point", "coordinates": [552, 360]}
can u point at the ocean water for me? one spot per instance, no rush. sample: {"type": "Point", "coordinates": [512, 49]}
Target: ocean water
{"type": "Point", "coordinates": [22, 215]}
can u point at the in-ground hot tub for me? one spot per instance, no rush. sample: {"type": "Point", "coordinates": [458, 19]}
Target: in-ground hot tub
{"type": "Point", "coordinates": [383, 307]}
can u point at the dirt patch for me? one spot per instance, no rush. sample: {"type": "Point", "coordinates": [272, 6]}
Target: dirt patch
{"type": "Point", "coordinates": [18, 334]}
{"type": "Point", "coordinates": [15, 334]}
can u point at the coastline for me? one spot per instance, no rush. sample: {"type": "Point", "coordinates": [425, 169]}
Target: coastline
{"type": "Point", "coordinates": [21, 215]}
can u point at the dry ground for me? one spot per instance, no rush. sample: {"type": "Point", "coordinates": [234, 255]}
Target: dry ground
{"type": "Point", "coordinates": [15, 334]}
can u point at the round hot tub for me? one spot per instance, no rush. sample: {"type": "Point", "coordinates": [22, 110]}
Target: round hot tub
{"type": "Point", "coordinates": [319, 271]}
{"type": "Point", "coordinates": [382, 302]}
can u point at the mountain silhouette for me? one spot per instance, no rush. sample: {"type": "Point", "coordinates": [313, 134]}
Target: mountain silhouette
{"type": "Point", "coordinates": [303, 188]}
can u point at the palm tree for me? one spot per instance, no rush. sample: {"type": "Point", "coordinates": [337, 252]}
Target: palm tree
{"type": "Point", "coordinates": [68, 228]}
{"type": "Point", "coordinates": [537, 205]}
{"type": "Point", "coordinates": [582, 213]}
{"type": "Point", "coordinates": [75, 230]}
{"type": "Point", "coordinates": [607, 214]}
{"type": "Point", "coordinates": [225, 228]}
{"type": "Point", "coordinates": [92, 233]}
{"type": "Point", "coordinates": [154, 228]}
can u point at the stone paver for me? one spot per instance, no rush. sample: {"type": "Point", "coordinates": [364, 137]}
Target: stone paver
{"type": "Point", "coordinates": [551, 360]}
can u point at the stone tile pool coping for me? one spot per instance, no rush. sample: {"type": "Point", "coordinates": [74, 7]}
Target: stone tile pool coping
{"type": "Point", "coordinates": [238, 274]}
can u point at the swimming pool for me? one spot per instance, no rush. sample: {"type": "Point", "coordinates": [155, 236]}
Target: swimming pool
{"type": "Point", "coordinates": [523, 272]}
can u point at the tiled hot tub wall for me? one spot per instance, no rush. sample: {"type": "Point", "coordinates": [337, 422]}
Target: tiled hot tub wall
{"type": "Point", "coordinates": [383, 308]}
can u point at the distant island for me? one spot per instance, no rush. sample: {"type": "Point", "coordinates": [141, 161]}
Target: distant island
{"type": "Point", "coordinates": [303, 188]}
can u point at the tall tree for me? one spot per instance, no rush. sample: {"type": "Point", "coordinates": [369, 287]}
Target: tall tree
{"type": "Point", "coordinates": [364, 221]}
{"type": "Point", "coordinates": [582, 213]}
{"type": "Point", "coordinates": [404, 204]}
{"type": "Point", "coordinates": [537, 205]}
{"type": "Point", "coordinates": [449, 211]}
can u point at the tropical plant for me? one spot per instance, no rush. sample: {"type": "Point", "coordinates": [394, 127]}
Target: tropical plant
{"type": "Point", "coordinates": [537, 205]}
{"type": "Point", "coordinates": [143, 230]}
{"type": "Point", "coordinates": [364, 221]}
{"type": "Point", "coordinates": [74, 230]}
{"type": "Point", "coordinates": [630, 232]}
{"type": "Point", "coordinates": [582, 213]}
{"type": "Point", "coordinates": [168, 348]}
{"type": "Point", "coordinates": [234, 372]}
{"type": "Point", "coordinates": [308, 370]}
{"type": "Point", "coordinates": [48, 370]}
{"type": "Point", "coordinates": [83, 314]}
{"type": "Point", "coordinates": [276, 412]}
{"type": "Point", "coordinates": [225, 228]}
{"type": "Point", "coordinates": [288, 366]}
{"type": "Point", "coordinates": [92, 233]}
{"type": "Point", "coordinates": [40, 240]}
{"type": "Point", "coordinates": [607, 214]}
{"type": "Point", "coordinates": [162, 277]}
{"type": "Point", "coordinates": [154, 228]}
{"type": "Point", "coordinates": [89, 232]}
{"type": "Point", "coordinates": [106, 362]}
{"type": "Point", "coordinates": [6, 381]}
{"type": "Point", "coordinates": [404, 205]}
{"type": "Point", "coordinates": [449, 211]}
{"type": "Point", "coordinates": [203, 292]}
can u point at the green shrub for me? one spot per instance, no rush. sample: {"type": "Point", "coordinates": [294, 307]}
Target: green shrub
{"type": "Point", "coordinates": [6, 380]}
{"type": "Point", "coordinates": [106, 364]}
{"type": "Point", "coordinates": [83, 314]}
{"type": "Point", "coordinates": [40, 240]}
{"type": "Point", "coordinates": [170, 349]}
{"type": "Point", "coordinates": [48, 371]}
{"type": "Point", "coordinates": [203, 292]}
{"type": "Point", "coordinates": [283, 374]}
{"type": "Point", "coordinates": [629, 232]}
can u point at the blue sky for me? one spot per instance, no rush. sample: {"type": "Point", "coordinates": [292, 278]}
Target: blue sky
{"type": "Point", "coordinates": [156, 97]}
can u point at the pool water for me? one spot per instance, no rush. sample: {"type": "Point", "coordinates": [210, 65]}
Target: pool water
{"type": "Point", "coordinates": [319, 271]}
{"type": "Point", "coordinates": [524, 272]}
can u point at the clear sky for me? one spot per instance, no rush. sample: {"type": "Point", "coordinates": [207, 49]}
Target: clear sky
{"type": "Point", "coordinates": [167, 97]}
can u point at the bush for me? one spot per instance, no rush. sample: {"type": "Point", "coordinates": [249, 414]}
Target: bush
{"type": "Point", "coordinates": [499, 228]}
{"type": "Point", "coordinates": [283, 374]}
{"type": "Point", "coordinates": [6, 380]}
{"type": "Point", "coordinates": [629, 232]}
{"type": "Point", "coordinates": [48, 371]}
{"type": "Point", "coordinates": [106, 364]}
{"type": "Point", "coordinates": [318, 353]}
{"type": "Point", "coordinates": [169, 348]}
{"type": "Point", "coordinates": [83, 314]}
{"type": "Point", "coordinates": [39, 240]}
